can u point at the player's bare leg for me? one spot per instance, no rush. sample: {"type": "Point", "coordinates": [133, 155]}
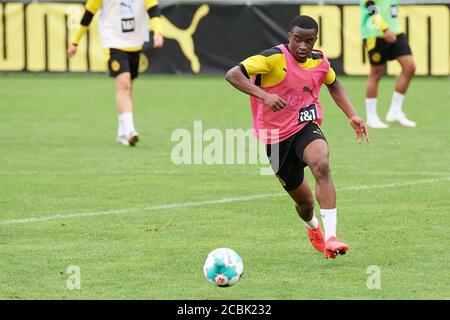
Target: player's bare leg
{"type": "Point", "coordinates": [304, 201]}
{"type": "Point", "coordinates": [396, 113]}
{"type": "Point", "coordinates": [316, 156]}
{"type": "Point", "coordinates": [304, 204]}
{"type": "Point", "coordinates": [408, 70]}
{"type": "Point", "coordinates": [127, 134]}
{"type": "Point", "coordinates": [376, 73]}
{"type": "Point", "coordinates": [123, 92]}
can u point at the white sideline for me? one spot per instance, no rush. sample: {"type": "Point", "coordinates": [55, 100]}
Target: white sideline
{"type": "Point", "coordinates": [208, 202]}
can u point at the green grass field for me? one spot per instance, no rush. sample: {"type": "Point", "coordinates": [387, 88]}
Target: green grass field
{"type": "Point", "coordinates": [84, 200]}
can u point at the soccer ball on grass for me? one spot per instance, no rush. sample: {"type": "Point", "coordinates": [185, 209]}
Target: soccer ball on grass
{"type": "Point", "coordinates": [223, 267]}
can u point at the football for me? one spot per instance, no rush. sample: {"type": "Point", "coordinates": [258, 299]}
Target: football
{"type": "Point", "coordinates": [223, 267]}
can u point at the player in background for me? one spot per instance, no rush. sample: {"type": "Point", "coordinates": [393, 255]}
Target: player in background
{"type": "Point", "coordinates": [284, 93]}
{"type": "Point", "coordinates": [384, 40]}
{"type": "Point", "coordinates": [123, 31]}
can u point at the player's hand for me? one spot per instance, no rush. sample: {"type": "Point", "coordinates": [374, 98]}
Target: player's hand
{"type": "Point", "coordinates": [360, 128]}
{"type": "Point", "coordinates": [273, 101]}
{"type": "Point", "coordinates": [158, 41]}
{"type": "Point", "coordinates": [72, 50]}
{"type": "Point", "coordinates": [390, 36]}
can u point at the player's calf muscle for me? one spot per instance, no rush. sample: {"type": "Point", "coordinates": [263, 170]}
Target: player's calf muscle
{"type": "Point", "coordinates": [305, 209]}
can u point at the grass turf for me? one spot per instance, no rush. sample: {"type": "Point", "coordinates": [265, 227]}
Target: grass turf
{"type": "Point", "coordinates": [59, 157]}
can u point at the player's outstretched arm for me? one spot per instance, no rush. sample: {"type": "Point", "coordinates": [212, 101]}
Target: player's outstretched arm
{"type": "Point", "coordinates": [242, 83]}
{"type": "Point", "coordinates": [92, 7]}
{"type": "Point", "coordinates": [339, 96]}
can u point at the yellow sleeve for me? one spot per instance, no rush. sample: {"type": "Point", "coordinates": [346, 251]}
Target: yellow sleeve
{"type": "Point", "coordinates": [150, 3]}
{"type": "Point", "coordinates": [257, 64]}
{"type": "Point", "coordinates": [93, 5]}
{"type": "Point", "coordinates": [378, 21]}
{"type": "Point", "coordinates": [331, 77]}
{"type": "Point", "coordinates": [156, 23]}
{"type": "Point", "coordinates": [80, 33]}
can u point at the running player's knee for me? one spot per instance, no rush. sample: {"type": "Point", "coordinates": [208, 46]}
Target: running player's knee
{"type": "Point", "coordinates": [123, 82]}
{"type": "Point", "coordinates": [320, 168]}
{"type": "Point", "coordinates": [376, 73]}
{"type": "Point", "coordinates": [410, 69]}
{"type": "Point", "coordinates": [125, 85]}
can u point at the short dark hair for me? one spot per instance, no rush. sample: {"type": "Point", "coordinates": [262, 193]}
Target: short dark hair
{"type": "Point", "coordinates": [304, 22]}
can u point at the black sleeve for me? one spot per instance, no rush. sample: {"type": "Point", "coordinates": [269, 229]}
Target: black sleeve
{"type": "Point", "coordinates": [87, 18]}
{"type": "Point", "coordinates": [244, 71]}
{"type": "Point", "coordinates": [154, 12]}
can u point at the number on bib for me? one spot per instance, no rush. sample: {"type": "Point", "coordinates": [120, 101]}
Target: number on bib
{"type": "Point", "coordinates": [308, 114]}
{"type": "Point", "coordinates": [394, 11]}
{"type": "Point", "coordinates": [128, 25]}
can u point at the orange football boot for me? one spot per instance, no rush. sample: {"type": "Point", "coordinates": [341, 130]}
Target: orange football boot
{"type": "Point", "coordinates": [334, 247]}
{"type": "Point", "coordinates": [316, 238]}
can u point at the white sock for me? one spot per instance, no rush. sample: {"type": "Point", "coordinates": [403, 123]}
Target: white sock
{"type": "Point", "coordinates": [121, 130]}
{"type": "Point", "coordinates": [329, 219]}
{"type": "Point", "coordinates": [371, 108]}
{"type": "Point", "coordinates": [313, 224]}
{"type": "Point", "coordinates": [396, 102]}
{"type": "Point", "coordinates": [126, 124]}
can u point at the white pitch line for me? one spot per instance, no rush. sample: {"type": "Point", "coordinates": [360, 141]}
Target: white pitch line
{"type": "Point", "coordinates": [208, 202]}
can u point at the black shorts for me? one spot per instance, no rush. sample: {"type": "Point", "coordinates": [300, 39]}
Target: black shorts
{"type": "Point", "coordinates": [286, 157]}
{"type": "Point", "coordinates": [123, 61]}
{"type": "Point", "coordinates": [382, 51]}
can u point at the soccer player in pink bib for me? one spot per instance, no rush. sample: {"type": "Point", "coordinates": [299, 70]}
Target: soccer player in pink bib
{"type": "Point", "coordinates": [284, 90]}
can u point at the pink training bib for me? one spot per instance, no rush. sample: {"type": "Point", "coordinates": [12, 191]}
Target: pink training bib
{"type": "Point", "coordinates": [300, 89]}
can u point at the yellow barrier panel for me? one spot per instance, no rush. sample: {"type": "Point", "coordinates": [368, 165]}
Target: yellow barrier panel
{"type": "Point", "coordinates": [78, 63]}
{"type": "Point", "coordinates": [35, 37]}
{"type": "Point", "coordinates": [13, 58]}
{"type": "Point", "coordinates": [433, 47]}
{"type": "Point", "coordinates": [330, 28]}
{"type": "Point", "coordinates": [354, 61]}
